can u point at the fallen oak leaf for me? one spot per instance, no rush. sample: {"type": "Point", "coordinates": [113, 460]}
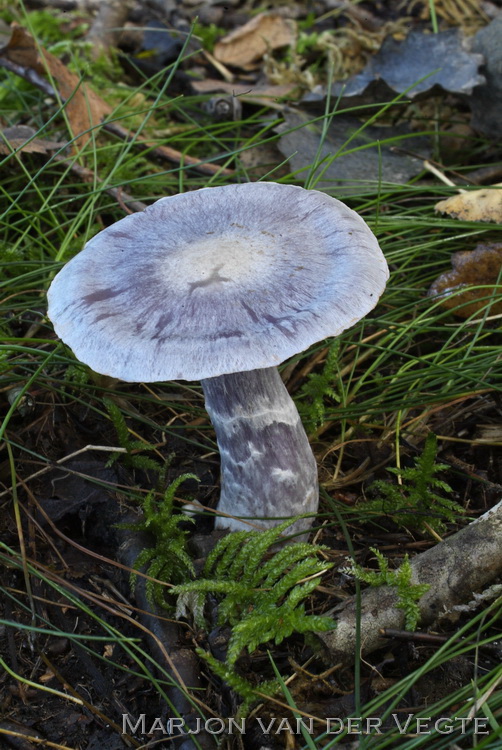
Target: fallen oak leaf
{"type": "Point", "coordinates": [247, 44]}
{"type": "Point", "coordinates": [463, 289]}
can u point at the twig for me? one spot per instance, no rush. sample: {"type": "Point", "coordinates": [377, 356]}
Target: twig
{"type": "Point", "coordinates": [455, 568]}
{"type": "Point", "coordinates": [87, 5]}
{"type": "Point", "coordinates": [9, 729]}
{"type": "Point", "coordinates": [437, 172]}
{"type": "Point", "coordinates": [434, 639]}
{"type": "Point", "coordinates": [125, 201]}
{"type": "Point", "coordinates": [486, 175]}
{"type": "Point", "coordinates": [166, 153]}
{"type": "Point", "coordinates": [29, 75]}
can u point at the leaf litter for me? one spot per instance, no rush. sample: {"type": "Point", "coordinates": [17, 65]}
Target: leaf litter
{"type": "Point", "coordinates": [245, 46]}
{"type": "Point", "coordinates": [352, 154]}
{"type": "Point", "coordinates": [474, 205]}
{"type": "Point", "coordinates": [84, 108]}
{"type": "Point", "coordinates": [473, 283]}
{"type": "Point", "coordinates": [420, 65]}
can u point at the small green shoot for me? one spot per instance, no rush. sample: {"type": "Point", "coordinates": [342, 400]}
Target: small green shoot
{"type": "Point", "coordinates": [131, 457]}
{"type": "Point", "coordinates": [415, 503]}
{"type": "Point", "coordinates": [248, 692]}
{"type": "Point", "coordinates": [168, 559]}
{"type": "Point", "coordinates": [208, 34]}
{"type": "Point", "coordinates": [319, 387]}
{"type": "Point", "coordinates": [409, 593]}
{"type": "Point", "coordinates": [262, 600]}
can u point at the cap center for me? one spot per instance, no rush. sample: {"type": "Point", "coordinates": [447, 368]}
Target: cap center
{"type": "Point", "coordinates": [233, 258]}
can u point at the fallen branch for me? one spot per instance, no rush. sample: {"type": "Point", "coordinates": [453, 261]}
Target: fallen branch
{"type": "Point", "coordinates": [464, 563]}
{"type": "Point", "coordinates": [126, 201]}
{"type": "Point", "coordinates": [82, 5]}
{"type": "Point", "coordinates": [166, 153]}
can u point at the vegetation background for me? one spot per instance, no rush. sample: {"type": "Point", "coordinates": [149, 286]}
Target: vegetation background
{"type": "Point", "coordinates": [403, 410]}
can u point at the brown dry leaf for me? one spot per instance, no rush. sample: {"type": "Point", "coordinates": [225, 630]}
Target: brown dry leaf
{"type": "Point", "coordinates": [470, 268]}
{"type": "Point", "coordinates": [84, 108]}
{"type": "Point", "coordinates": [474, 205]}
{"type": "Point", "coordinates": [18, 137]}
{"type": "Point", "coordinates": [247, 44]}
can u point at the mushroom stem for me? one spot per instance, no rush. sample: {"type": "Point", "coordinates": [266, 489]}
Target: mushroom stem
{"type": "Point", "coordinates": [268, 470]}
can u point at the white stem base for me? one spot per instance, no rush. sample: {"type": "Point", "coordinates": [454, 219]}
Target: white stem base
{"type": "Point", "coordinates": [268, 471]}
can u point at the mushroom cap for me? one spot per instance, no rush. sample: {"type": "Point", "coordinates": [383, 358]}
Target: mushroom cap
{"type": "Point", "coordinates": [217, 280]}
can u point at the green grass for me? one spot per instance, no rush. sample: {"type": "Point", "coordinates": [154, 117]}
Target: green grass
{"type": "Point", "coordinates": [410, 367]}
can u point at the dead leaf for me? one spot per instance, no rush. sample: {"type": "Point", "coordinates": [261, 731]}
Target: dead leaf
{"type": "Point", "coordinates": [19, 136]}
{"type": "Point", "coordinates": [419, 65]}
{"type": "Point", "coordinates": [471, 269]}
{"type": "Point", "coordinates": [474, 205]}
{"type": "Point", "coordinates": [247, 44]}
{"type": "Point", "coordinates": [47, 676]}
{"type": "Point", "coordinates": [80, 484]}
{"type": "Point", "coordinates": [486, 100]}
{"type": "Point", "coordinates": [352, 157]}
{"type": "Point", "coordinates": [84, 108]}
{"type": "Point", "coordinates": [86, 105]}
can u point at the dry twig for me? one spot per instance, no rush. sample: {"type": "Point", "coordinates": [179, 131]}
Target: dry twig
{"type": "Point", "coordinates": [455, 568]}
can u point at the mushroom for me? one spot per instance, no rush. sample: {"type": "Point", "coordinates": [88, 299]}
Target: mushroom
{"type": "Point", "coordinates": [221, 285]}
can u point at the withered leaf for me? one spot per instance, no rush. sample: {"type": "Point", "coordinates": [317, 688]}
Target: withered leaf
{"type": "Point", "coordinates": [84, 108]}
{"type": "Point", "coordinates": [459, 289]}
{"type": "Point", "coordinates": [357, 164]}
{"type": "Point", "coordinates": [247, 44]}
{"type": "Point", "coordinates": [419, 65]}
{"type": "Point", "coordinates": [474, 205]}
{"type": "Point", "coordinates": [19, 136]}
{"type": "Point", "coordinates": [78, 484]}
{"type": "Point", "coordinates": [486, 100]}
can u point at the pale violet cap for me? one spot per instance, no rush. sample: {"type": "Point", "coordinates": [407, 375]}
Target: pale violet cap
{"type": "Point", "coordinates": [218, 280]}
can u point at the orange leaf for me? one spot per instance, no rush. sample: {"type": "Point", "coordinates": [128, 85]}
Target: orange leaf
{"type": "Point", "coordinates": [84, 108]}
